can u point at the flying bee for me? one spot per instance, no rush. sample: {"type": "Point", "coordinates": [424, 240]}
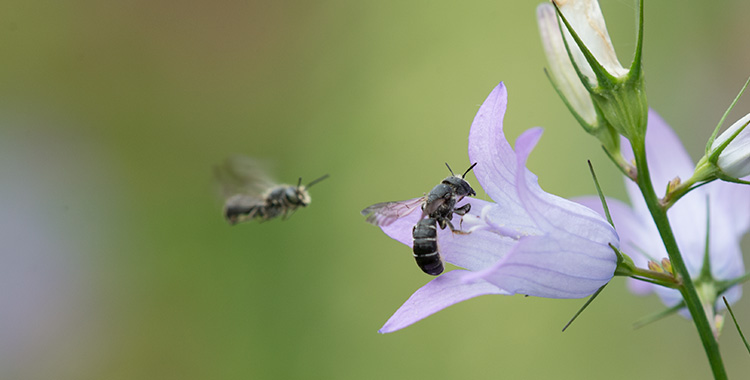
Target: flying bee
{"type": "Point", "coordinates": [437, 208]}
{"type": "Point", "coordinates": [251, 194]}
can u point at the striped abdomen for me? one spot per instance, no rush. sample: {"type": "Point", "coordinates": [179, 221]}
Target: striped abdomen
{"type": "Point", "coordinates": [426, 248]}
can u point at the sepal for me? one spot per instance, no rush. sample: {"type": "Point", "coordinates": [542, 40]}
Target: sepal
{"type": "Point", "coordinates": [618, 94]}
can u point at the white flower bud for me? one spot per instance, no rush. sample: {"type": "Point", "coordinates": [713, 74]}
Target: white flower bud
{"type": "Point", "coordinates": [560, 68]}
{"type": "Point", "coordinates": [586, 19]}
{"type": "Point", "coordinates": [734, 160]}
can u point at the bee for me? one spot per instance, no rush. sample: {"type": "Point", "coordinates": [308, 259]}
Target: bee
{"type": "Point", "coordinates": [251, 194]}
{"type": "Point", "coordinates": [438, 207]}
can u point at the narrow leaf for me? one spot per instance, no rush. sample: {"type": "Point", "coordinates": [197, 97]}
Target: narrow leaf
{"type": "Point", "coordinates": [721, 121]}
{"type": "Point", "coordinates": [636, 66]}
{"type": "Point", "coordinates": [588, 302]}
{"type": "Point", "coordinates": [601, 195]}
{"type": "Point", "coordinates": [659, 315]}
{"type": "Point", "coordinates": [736, 324]}
{"type": "Point", "coordinates": [602, 76]}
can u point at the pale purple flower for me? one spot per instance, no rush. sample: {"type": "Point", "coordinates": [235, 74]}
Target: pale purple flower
{"type": "Point", "coordinates": [729, 218]}
{"type": "Point", "coordinates": [526, 242]}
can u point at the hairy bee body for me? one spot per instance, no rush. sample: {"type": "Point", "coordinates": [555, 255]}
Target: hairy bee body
{"type": "Point", "coordinates": [281, 200]}
{"type": "Point", "coordinates": [251, 195]}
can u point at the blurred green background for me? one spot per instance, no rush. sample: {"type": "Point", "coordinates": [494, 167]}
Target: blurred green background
{"type": "Point", "coordinates": [117, 264]}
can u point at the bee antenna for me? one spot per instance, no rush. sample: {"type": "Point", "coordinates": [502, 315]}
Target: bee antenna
{"type": "Point", "coordinates": [315, 181]}
{"type": "Point", "coordinates": [469, 169]}
{"type": "Point", "coordinates": [449, 168]}
{"type": "Point", "coordinates": [299, 182]}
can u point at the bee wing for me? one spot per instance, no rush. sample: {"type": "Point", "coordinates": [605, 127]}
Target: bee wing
{"type": "Point", "coordinates": [242, 175]}
{"type": "Point", "coordinates": [433, 204]}
{"type": "Point", "coordinates": [383, 214]}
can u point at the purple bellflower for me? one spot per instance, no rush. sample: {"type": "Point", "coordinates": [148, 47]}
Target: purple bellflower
{"type": "Point", "coordinates": [525, 242]}
{"type": "Point", "coordinates": [728, 205]}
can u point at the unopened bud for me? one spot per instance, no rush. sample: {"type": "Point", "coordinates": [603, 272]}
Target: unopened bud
{"type": "Point", "coordinates": [667, 265]}
{"type": "Point", "coordinates": [734, 156]}
{"type": "Point", "coordinates": [652, 265]}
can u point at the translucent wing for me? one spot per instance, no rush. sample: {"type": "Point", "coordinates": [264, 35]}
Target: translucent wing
{"type": "Point", "coordinates": [242, 175]}
{"type": "Point", "coordinates": [383, 214]}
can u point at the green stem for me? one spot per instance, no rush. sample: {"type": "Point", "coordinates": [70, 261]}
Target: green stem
{"type": "Point", "coordinates": [661, 279]}
{"type": "Point", "coordinates": [688, 291]}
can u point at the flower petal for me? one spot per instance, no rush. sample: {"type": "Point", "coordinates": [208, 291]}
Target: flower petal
{"type": "Point", "coordinates": [477, 250]}
{"type": "Point", "coordinates": [546, 267]}
{"type": "Point", "coordinates": [560, 67]}
{"type": "Point", "coordinates": [400, 230]}
{"type": "Point", "coordinates": [726, 258]}
{"type": "Point", "coordinates": [572, 259]}
{"type": "Point", "coordinates": [496, 162]}
{"type": "Point", "coordinates": [587, 21]}
{"type": "Point", "coordinates": [729, 220]}
{"type": "Point", "coordinates": [631, 227]}
{"type": "Point", "coordinates": [633, 231]}
{"type": "Point", "coordinates": [731, 202]}
{"type": "Point", "coordinates": [553, 214]}
{"type": "Point", "coordinates": [735, 159]}
{"type": "Point", "coordinates": [436, 295]}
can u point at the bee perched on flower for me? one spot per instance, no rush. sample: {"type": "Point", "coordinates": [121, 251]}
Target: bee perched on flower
{"type": "Point", "coordinates": [525, 242]}
{"type": "Point", "coordinates": [437, 208]}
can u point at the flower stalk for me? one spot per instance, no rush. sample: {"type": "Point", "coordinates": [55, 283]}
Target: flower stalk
{"type": "Point", "coordinates": [687, 287]}
{"type": "Point", "coordinates": [617, 106]}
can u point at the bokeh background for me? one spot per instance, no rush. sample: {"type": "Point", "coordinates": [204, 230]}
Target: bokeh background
{"type": "Point", "coordinates": [115, 260]}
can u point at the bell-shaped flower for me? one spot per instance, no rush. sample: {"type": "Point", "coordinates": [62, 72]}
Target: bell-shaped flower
{"type": "Point", "coordinates": [708, 222]}
{"type": "Point", "coordinates": [617, 94]}
{"type": "Point", "coordinates": [525, 242]}
{"type": "Point", "coordinates": [734, 157]}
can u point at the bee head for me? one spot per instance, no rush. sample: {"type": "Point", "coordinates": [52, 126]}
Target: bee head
{"type": "Point", "coordinates": [460, 185]}
{"type": "Point", "coordinates": [297, 195]}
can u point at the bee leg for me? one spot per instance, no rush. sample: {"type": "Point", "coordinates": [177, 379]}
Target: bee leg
{"type": "Point", "coordinates": [463, 210]}
{"type": "Point", "coordinates": [454, 230]}
{"type": "Point", "coordinates": [443, 222]}
{"type": "Point", "coordinates": [236, 214]}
